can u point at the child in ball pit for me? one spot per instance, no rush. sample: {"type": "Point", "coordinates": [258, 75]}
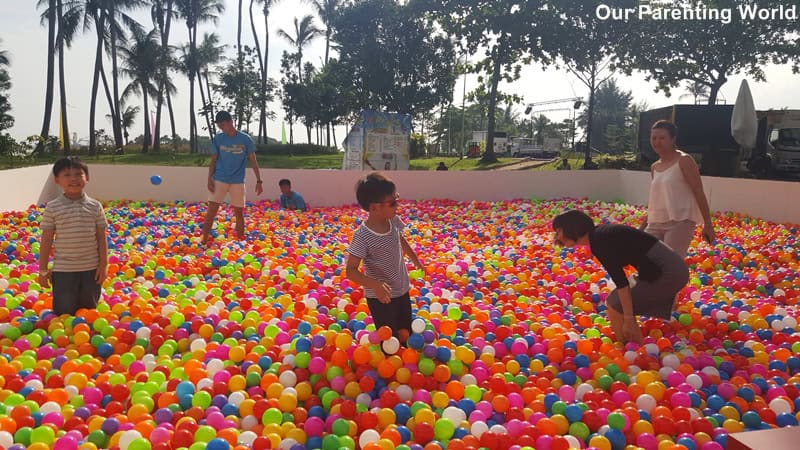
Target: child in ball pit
{"type": "Point", "coordinates": [74, 225]}
{"type": "Point", "coordinates": [379, 243]}
{"type": "Point", "coordinates": [661, 271]}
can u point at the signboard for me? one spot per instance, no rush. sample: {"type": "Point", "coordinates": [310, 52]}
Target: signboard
{"type": "Point", "coordinates": [379, 142]}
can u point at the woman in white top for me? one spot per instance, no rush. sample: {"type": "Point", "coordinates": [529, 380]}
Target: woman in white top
{"type": "Point", "coordinates": [677, 202]}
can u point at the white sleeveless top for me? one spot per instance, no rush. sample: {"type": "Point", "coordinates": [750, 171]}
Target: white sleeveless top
{"type": "Point", "coordinates": [671, 199]}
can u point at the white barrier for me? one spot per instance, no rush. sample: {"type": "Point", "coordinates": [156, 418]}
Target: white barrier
{"type": "Point", "coordinates": [771, 200]}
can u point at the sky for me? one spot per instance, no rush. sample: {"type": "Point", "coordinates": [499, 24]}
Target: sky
{"type": "Point", "coordinates": [25, 40]}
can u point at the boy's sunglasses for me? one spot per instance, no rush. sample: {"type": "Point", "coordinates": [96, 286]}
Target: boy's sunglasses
{"type": "Point", "coordinates": [392, 203]}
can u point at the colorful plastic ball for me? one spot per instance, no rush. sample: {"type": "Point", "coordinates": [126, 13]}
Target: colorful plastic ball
{"type": "Point", "coordinates": [155, 180]}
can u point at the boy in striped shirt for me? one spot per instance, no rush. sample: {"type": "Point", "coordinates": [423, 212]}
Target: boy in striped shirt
{"type": "Point", "coordinates": [77, 224]}
{"type": "Point", "coordinates": [380, 244]}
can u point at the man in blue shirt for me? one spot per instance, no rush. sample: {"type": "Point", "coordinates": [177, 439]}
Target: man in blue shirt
{"type": "Point", "coordinates": [289, 199]}
{"type": "Point", "coordinates": [230, 151]}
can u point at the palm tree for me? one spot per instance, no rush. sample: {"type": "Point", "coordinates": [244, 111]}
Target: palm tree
{"type": "Point", "coordinates": [697, 91]}
{"type": "Point", "coordinates": [140, 62]}
{"type": "Point", "coordinates": [209, 53]}
{"type": "Point", "coordinates": [127, 118]}
{"type": "Point", "coordinates": [326, 10]}
{"type": "Point", "coordinates": [304, 32]}
{"type": "Point", "coordinates": [266, 5]}
{"type": "Point", "coordinates": [195, 12]}
{"type": "Point", "coordinates": [49, 17]}
{"type": "Point", "coordinates": [162, 13]}
{"type": "Point", "coordinates": [4, 58]}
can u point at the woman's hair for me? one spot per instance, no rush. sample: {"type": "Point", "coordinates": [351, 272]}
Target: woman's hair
{"type": "Point", "coordinates": [373, 188]}
{"type": "Point", "coordinates": [666, 125]}
{"type": "Point", "coordinates": [573, 224]}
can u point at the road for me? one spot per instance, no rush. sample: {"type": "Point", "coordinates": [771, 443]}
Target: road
{"type": "Point", "coordinates": [525, 164]}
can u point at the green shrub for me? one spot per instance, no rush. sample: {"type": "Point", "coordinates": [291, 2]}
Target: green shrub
{"type": "Point", "coordinates": [295, 149]}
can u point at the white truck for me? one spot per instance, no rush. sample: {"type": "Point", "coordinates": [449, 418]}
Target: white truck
{"type": "Point", "coordinates": [527, 147]}
{"type": "Point", "coordinates": [778, 145]}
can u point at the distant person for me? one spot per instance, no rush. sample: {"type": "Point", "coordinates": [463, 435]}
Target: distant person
{"type": "Point", "coordinates": [290, 199]}
{"type": "Point", "coordinates": [677, 202]}
{"type": "Point", "coordinates": [441, 166]}
{"type": "Point", "coordinates": [662, 272]}
{"type": "Point", "coordinates": [230, 151]}
{"type": "Point", "coordinates": [387, 166]}
{"type": "Point", "coordinates": [379, 243]}
{"type": "Point", "coordinates": [73, 224]}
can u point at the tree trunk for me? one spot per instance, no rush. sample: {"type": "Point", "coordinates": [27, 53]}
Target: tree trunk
{"type": "Point", "coordinates": [163, 77]}
{"type": "Point", "coordinates": [212, 111]}
{"type": "Point", "coordinates": [207, 107]}
{"type": "Point", "coordinates": [262, 112]}
{"type": "Point", "coordinates": [488, 155]}
{"type": "Point", "coordinates": [117, 122]}
{"type": "Point", "coordinates": [587, 157]}
{"type": "Point", "coordinates": [265, 78]}
{"type": "Point", "coordinates": [48, 97]}
{"type": "Point", "coordinates": [327, 41]}
{"type": "Point", "coordinates": [106, 89]}
{"type": "Point", "coordinates": [333, 131]}
{"type": "Point", "coordinates": [98, 63]}
{"type": "Point", "coordinates": [172, 123]}
{"type": "Point", "coordinates": [147, 136]}
{"type": "Point", "coordinates": [714, 91]}
{"type": "Point", "coordinates": [61, 79]}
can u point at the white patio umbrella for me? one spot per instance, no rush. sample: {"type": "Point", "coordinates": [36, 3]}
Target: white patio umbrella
{"type": "Point", "coordinates": [744, 123]}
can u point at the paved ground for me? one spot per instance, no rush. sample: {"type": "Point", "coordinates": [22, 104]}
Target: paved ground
{"type": "Point", "coordinates": [525, 164]}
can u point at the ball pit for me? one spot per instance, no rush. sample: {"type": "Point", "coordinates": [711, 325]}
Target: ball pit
{"type": "Point", "coordinates": [264, 343]}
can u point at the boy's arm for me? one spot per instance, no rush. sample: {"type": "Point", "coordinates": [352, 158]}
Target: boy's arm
{"type": "Point", "coordinates": [212, 166]}
{"type": "Point", "coordinates": [257, 172]}
{"type": "Point", "coordinates": [410, 253]}
{"type": "Point", "coordinates": [301, 203]}
{"type": "Point", "coordinates": [354, 274]}
{"type": "Point", "coordinates": [44, 257]}
{"type": "Point", "coordinates": [102, 253]}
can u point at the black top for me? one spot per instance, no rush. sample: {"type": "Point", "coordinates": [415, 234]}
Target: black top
{"type": "Point", "coordinates": [617, 246]}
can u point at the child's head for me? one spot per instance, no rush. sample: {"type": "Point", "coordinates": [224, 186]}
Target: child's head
{"type": "Point", "coordinates": [286, 186]}
{"type": "Point", "coordinates": [71, 174]}
{"type": "Point", "coordinates": [375, 191]}
{"type": "Point", "coordinates": [571, 226]}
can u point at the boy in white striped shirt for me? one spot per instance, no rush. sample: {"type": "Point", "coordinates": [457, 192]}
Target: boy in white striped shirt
{"type": "Point", "coordinates": [380, 244]}
{"type": "Point", "coordinates": [77, 224]}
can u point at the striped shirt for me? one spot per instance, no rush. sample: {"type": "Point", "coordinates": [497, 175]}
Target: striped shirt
{"type": "Point", "coordinates": [75, 223]}
{"type": "Point", "coordinates": [382, 255]}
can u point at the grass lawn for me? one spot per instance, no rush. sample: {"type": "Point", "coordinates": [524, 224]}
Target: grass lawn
{"type": "Point", "coordinates": [456, 163]}
{"type": "Point", "coordinates": [326, 161]}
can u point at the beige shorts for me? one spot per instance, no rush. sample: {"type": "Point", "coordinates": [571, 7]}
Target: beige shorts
{"type": "Point", "coordinates": [221, 190]}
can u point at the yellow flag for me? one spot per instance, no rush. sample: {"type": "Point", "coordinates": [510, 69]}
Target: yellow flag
{"type": "Point", "coordinates": [60, 131]}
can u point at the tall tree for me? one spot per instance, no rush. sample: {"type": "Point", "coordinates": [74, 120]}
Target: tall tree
{"type": "Point", "coordinates": [209, 53]}
{"type": "Point", "coordinates": [697, 91]}
{"type": "Point", "coordinates": [304, 32]}
{"type": "Point", "coordinates": [263, 60]}
{"type": "Point", "coordinates": [63, 29]}
{"type": "Point", "coordinates": [509, 32]}
{"type": "Point", "coordinates": [326, 10]}
{"type": "Point", "coordinates": [162, 12]}
{"type": "Point", "coordinates": [6, 120]}
{"type": "Point", "coordinates": [140, 63]}
{"type": "Point", "coordinates": [397, 59]}
{"type": "Point", "coordinates": [49, 17]}
{"type": "Point", "coordinates": [709, 51]}
{"type": "Point", "coordinates": [195, 12]}
{"type": "Point", "coordinates": [611, 116]}
{"type": "Point", "coordinates": [590, 47]}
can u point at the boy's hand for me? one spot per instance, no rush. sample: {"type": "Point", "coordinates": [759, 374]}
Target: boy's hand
{"type": "Point", "coordinates": [419, 265]}
{"type": "Point", "coordinates": [708, 234]}
{"type": "Point", "coordinates": [44, 278]}
{"type": "Point", "coordinates": [383, 291]}
{"type": "Point", "coordinates": [100, 274]}
{"type": "Point", "coordinates": [259, 188]}
{"type": "Point", "coordinates": [211, 185]}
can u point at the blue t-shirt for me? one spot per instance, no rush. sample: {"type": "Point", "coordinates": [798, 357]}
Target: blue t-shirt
{"type": "Point", "coordinates": [295, 200]}
{"type": "Point", "coordinates": [232, 154]}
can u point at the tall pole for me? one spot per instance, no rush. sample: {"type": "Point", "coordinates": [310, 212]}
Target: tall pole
{"type": "Point", "coordinates": [463, 107]}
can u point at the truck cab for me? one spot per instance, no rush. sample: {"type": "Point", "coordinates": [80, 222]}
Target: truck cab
{"type": "Point", "coordinates": [779, 148]}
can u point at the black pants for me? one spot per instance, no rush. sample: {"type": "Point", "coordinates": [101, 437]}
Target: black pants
{"type": "Point", "coordinates": [74, 290]}
{"type": "Point", "coordinates": [395, 314]}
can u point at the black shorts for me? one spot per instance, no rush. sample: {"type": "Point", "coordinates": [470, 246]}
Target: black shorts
{"type": "Point", "coordinates": [74, 290]}
{"type": "Point", "coordinates": [395, 314]}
